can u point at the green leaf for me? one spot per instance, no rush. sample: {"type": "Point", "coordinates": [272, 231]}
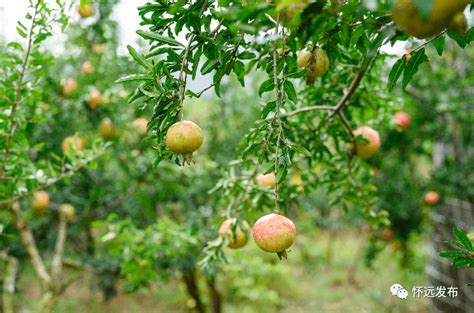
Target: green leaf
{"type": "Point", "coordinates": [134, 78]}
{"type": "Point", "coordinates": [463, 238]}
{"type": "Point", "coordinates": [266, 86]}
{"type": "Point", "coordinates": [412, 67]}
{"type": "Point", "coordinates": [439, 44]}
{"type": "Point", "coordinates": [269, 107]}
{"type": "Point", "coordinates": [396, 72]}
{"type": "Point", "coordinates": [454, 243]}
{"type": "Point", "coordinates": [461, 261]}
{"type": "Point", "coordinates": [160, 38]}
{"type": "Point", "coordinates": [21, 32]}
{"type": "Point", "coordinates": [460, 40]}
{"type": "Point", "coordinates": [140, 59]}
{"type": "Point", "coordinates": [452, 254]}
{"type": "Point", "coordinates": [290, 90]}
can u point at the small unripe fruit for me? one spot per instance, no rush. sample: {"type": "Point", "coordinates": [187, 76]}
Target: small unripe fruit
{"type": "Point", "coordinates": [366, 150]}
{"type": "Point", "coordinates": [69, 86]}
{"type": "Point", "coordinates": [387, 234]}
{"type": "Point", "coordinates": [237, 240]}
{"type": "Point", "coordinates": [96, 99]}
{"type": "Point", "coordinates": [99, 48]}
{"type": "Point", "coordinates": [184, 138]}
{"type": "Point", "coordinates": [72, 143]}
{"type": "Point", "coordinates": [40, 203]}
{"type": "Point", "coordinates": [68, 211]}
{"type": "Point", "coordinates": [106, 128]}
{"type": "Point", "coordinates": [140, 124]}
{"type": "Point", "coordinates": [274, 233]}
{"type": "Point", "coordinates": [470, 236]}
{"type": "Point", "coordinates": [86, 10]}
{"type": "Point", "coordinates": [431, 198]}
{"type": "Point", "coordinates": [316, 62]}
{"type": "Point", "coordinates": [87, 68]}
{"type": "Point", "coordinates": [402, 119]}
{"type": "Point", "coordinates": [266, 181]}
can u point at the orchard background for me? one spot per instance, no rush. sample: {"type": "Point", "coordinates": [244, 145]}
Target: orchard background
{"type": "Point", "coordinates": [236, 156]}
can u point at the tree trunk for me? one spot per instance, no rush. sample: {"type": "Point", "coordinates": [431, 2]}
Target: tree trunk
{"type": "Point", "coordinates": [189, 278]}
{"type": "Point", "coordinates": [439, 270]}
{"type": "Point", "coordinates": [47, 302]}
{"type": "Point", "coordinates": [216, 298]}
{"type": "Point", "coordinates": [9, 279]}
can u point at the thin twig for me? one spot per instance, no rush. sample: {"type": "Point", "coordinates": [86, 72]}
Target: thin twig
{"type": "Point", "coordinates": [16, 102]}
{"type": "Point", "coordinates": [309, 108]}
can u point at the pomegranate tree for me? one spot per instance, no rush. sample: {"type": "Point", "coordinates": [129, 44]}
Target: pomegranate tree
{"type": "Point", "coordinates": [368, 149]}
{"type": "Point", "coordinates": [431, 198]}
{"type": "Point", "coordinates": [402, 119]}
{"type": "Point", "coordinates": [184, 138]}
{"type": "Point", "coordinates": [237, 239]}
{"type": "Point", "coordinates": [274, 233]}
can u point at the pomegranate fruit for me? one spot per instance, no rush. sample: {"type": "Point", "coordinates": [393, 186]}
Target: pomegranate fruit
{"type": "Point", "coordinates": [237, 239]}
{"type": "Point", "coordinates": [387, 234]}
{"type": "Point", "coordinates": [106, 128]}
{"type": "Point", "coordinates": [86, 10]}
{"type": "Point", "coordinates": [72, 143]}
{"type": "Point", "coordinates": [274, 233]}
{"type": "Point", "coordinates": [87, 68]}
{"type": "Point", "coordinates": [140, 124]}
{"type": "Point", "coordinates": [184, 138]}
{"type": "Point", "coordinates": [366, 150]}
{"type": "Point", "coordinates": [96, 99]}
{"type": "Point", "coordinates": [458, 24]}
{"type": "Point", "coordinates": [68, 211]}
{"type": "Point", "coordinates": [407, 17]}
{"type": "Point", "coordinates": [316, 62]}
{"type": "Point", "coordinates": [431, 198]}
{"type": "Point", "coordinates": [69, 86]}
{"type": "Point", "coordinates": [99, 48]}
{"type": "Point", "coordinates": [402, 119]}
{"type": "Point", "coordinates": [266, 181]}
{"type": "Point", "coordinates": [40, 202]}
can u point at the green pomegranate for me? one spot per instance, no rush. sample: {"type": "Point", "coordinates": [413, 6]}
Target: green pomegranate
{"type": "Point", "coordinates": [407, 17]}
{"type": "Point", "coordinates": [184, 138]}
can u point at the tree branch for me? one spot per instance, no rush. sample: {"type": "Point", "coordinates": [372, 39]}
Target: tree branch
{"type": "Point", "coordinates": [309, 108]}
{"type": "Point", "coordinates": [28, 241]}
{"type": "Point", "coordinates": [9, 279]}
{"type": "Point", "coordinates": [12, 120]}
{"type": "Point", "coordinates": [57, 263]}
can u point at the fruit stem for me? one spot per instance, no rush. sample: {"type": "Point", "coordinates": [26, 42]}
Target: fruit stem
{"type": "Point", "coordinates": [282, 254]}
